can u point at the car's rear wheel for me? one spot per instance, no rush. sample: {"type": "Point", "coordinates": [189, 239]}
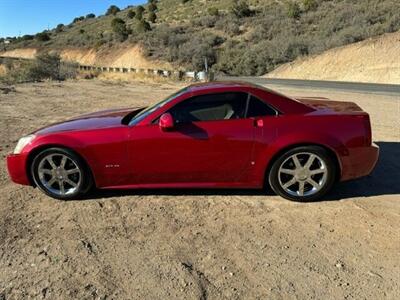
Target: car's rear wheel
{"type": "Point", "coordinates": [61, 174]}
{"type": "Point", "coordinates": [303, 174]}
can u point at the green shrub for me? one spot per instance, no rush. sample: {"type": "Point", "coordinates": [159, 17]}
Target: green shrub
{"type": "Point", "coordinates": [213, 11]}
{"type": "Point", "coordinates": [152, 7]}
{"type": "Point", "coordinates": [43, 36]}
{"type": "Point", "coordinates": [139, 12]}
{"type": "Point", "coordinates": [143, 26]}
{"type": "Point", "coordinates": [60, 28]}
{"type": "Point", "coordinates": [310, 5]}
{"type": "Point", "coordinates": [112, 10]}
{"type": "Point", "coordinates": [77, 19]}
{"type": "Point", "coordinates": [119, 28]}
{"type": "Point", "coordinates": [293, 10]}
{"type": "Point", "coordinates": [27, 37]}
{"type": "Point", "coordinates": [241, 9]}
{"type": "Point", "coordinates": [152, 17]}
{"type": "Point", "coordinates": [45, 66]}
{"type": "Point", "coordinates": [131, 14]}
{"type": "Point", "coordinates": [90, 16]}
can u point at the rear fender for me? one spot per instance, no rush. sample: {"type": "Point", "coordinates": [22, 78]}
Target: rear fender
{"type": "Point", "coordinates": [275, 149]}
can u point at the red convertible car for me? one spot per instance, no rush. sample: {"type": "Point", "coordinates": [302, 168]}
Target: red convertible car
{"type": "Point", "coordinates": [213, 135]}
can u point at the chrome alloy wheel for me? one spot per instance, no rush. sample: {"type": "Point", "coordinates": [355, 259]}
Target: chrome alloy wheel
{"type": "Point", "coordinates": [303, 174]}
{"type": "Point", "coordinates": [59, 174]}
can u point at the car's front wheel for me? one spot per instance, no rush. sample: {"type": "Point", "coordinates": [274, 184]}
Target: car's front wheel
{"type": "Point", "coordinates": [303, 174]}
{"type": "Point", "coordinates": [61, 174]}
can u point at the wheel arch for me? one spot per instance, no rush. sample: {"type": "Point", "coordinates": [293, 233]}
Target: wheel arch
{"type": "Point", "coordinates": [35, 151]}
{"type": "Point", "coordinates": [281, 151]}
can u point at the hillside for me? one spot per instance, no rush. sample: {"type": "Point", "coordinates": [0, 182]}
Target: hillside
{"type": "Point", "coordinates": [247, 38]}
{"type": "Point", "coordinates": [373, 60]}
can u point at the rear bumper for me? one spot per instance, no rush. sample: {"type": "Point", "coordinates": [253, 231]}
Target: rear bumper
{"type": "Point", "coordinates": [16, 165]}
{"type": "Point", "coordinates": [360, 162]}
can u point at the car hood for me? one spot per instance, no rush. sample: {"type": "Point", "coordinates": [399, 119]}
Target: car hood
{"type": "Point", "coordinates": [96, 120]}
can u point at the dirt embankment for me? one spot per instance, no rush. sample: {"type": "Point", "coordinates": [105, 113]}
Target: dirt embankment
{"type": "Point", "coordinates": [128, 57]}
{"type": "Point", "coordinates": [374, 60]}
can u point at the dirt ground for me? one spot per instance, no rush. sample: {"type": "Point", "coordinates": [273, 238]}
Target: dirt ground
{"type": "Point", "coordinates": [197, 244]}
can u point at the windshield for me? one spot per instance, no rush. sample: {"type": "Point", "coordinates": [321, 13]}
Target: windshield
{"type": "Point", "coordinates": [144, 113]}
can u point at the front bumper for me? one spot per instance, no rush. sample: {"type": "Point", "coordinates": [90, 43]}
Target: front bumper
{"type": "Point", "coordinates": [360, 162]}
{"type": "Point", "coordinates": [16, 165]}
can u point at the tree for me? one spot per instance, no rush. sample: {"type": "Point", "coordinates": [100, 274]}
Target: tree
{"type": "Point", "coordinates": [152, 17]}
{"type": "Point", "coordinates": [90, 16]}
{"type": "Point", "coordinates": [131, 14]}
{"type": "Point", "coordinates": [112, 10]}
{"type": "Point", "coordinates": [119, 28]}
{"type": "Point", "coordinates": [43, 36]}
{"type": "Point", "coordinates": [293, 10]}
{"type": "Point", "coordinates": [241, 9]}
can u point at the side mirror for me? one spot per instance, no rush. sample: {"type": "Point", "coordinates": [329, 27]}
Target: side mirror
{"type": "Point", "coordinates": [166, 122]}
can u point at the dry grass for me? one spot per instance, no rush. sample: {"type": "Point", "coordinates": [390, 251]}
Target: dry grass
{"type": "Point", "coordinates": [3, 70]}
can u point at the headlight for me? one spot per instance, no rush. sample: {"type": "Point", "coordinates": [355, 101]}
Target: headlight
{"type": "Point", "coordinates": [23, 142]}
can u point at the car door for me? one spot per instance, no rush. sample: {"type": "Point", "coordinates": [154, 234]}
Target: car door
{"type": "Point", "coordinates": [211, 143]}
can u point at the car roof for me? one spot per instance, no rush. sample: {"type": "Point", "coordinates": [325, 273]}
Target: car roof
{"type": "Point", "coordinates": [220, 85]}
{"type": "Point", "coordinates": [282, 102]}
{"type": "Point", "coordinates": [201, 87]}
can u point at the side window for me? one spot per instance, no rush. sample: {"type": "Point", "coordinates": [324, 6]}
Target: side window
{"type": "Point", "coordinates": [258, 108]}
{"type": "Point", "coordinates": [210, 107]}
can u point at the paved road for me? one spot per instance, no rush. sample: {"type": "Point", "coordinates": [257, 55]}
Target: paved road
{"type": "Point", "coordinates": [368, 88]}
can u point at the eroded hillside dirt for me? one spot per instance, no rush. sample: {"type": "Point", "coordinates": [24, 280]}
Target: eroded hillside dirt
{"type": "Point", "coordinates": [195, 244]}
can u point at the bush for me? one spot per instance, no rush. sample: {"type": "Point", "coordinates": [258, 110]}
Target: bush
{"type": "Point", "coordinates": [45, 66]}
{"type": "Point", "coordinates": [152, 17]}
{"type": "Point", "coordinates": [213, 11]}
{"type": "Point", "coordinates": [43, 36]}
{"type": "Point", "coordinates": [131, 14]}
{"type": "Point", "coordinates": [90, 16]}
{"type": "Point", "coordinates": [139, 12]}
{"type": "Point", "coordinates": [112, 10]}
{"type": "Point", "coordinates": [60, 28]}
{"type": "Point", "coordinates": [119, 28]}
{"type": "Point", "coordinates": [143, 26]}
{"type": "Point", "coordinates": [206, 21]}
{"type": "Point", "coordinates": [78, 19]}
{"type": "Point", "coordinates": [310, 5]}
{"type": "Point", "coordinates": [293, 10]}
{"type": "Point", "coordinates": [27, 37]}
{"type": "Point", "coordinates": [241, 9]}
{"type": "Point", "coordinates": [152, 7]}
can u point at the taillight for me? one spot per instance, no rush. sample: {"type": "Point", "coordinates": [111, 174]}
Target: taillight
{"type": "Point", "coordinates": [368, 131]}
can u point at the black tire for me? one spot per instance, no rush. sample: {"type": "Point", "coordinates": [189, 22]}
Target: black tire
{"type": "Point", "coordinates": [81, 178]}
{"type": "Point", "coordinates": [323, 163]}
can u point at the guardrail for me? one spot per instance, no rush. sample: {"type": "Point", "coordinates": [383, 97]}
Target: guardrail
{"type": "Point", "coordinates": [181, 75]}
{"type": "Point", "coordinates": [177, 74]}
